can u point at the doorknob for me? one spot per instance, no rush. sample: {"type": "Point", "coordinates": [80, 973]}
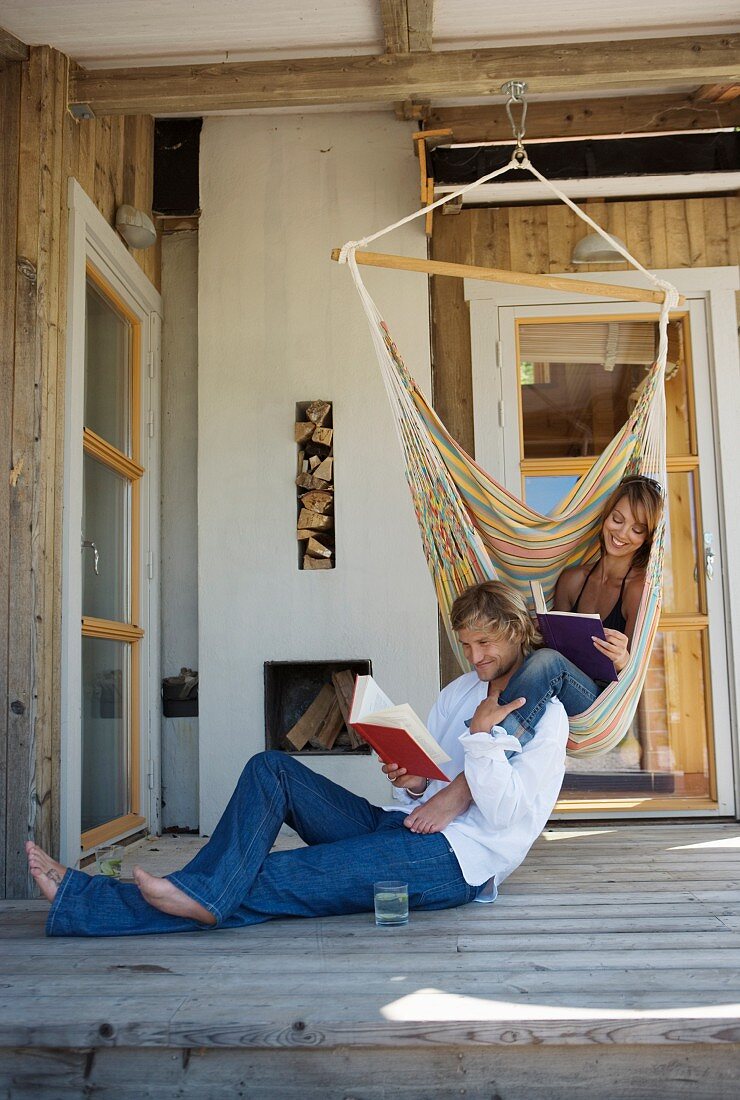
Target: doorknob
{"type": "Point", "coordinates": [88, 544]}
{"type": "Point", "coordinates": [709, 554]}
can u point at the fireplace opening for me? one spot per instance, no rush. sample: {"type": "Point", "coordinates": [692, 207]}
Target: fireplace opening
{"type": "Point", "coordinates": [307, 705]}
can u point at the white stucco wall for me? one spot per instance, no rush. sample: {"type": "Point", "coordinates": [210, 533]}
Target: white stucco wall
{"type": "Point", "coordinates": [280, 323]}
{"type": "Point", "coordinates": [179, 637]}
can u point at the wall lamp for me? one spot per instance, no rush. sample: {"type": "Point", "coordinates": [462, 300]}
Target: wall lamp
{"type": "Point", "coordinates": [136, 227]}
{"type": "Point", "coordinates": [593, 249]}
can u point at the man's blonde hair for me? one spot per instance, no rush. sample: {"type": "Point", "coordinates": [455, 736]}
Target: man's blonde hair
{"type": "Point", "coordinates": [497, 609]}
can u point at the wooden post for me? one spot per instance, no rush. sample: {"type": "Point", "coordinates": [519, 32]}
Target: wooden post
{"type": "Point", "coordinates": [423, 141]}
{"type": "Point", "coordinates": [10, 90]}
{"type": "Point", "coordinates": [43, 145]}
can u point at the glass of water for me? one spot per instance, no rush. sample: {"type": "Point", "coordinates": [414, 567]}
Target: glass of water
{"type": "Point", "coordinates": [391, 903]}
{"type": "Point", "coordinates": [109, 861]}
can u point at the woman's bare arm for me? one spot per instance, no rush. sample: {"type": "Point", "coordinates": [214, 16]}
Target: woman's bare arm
{"type": "Point", "coordinates": [631, 602]}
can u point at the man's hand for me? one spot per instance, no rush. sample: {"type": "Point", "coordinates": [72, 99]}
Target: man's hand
{"type": "Point", "coordinates": [399, 777]}
{"type": "Point", "coordinates": [616, 647]}
{"type": "Point", "coordinates": [491, 713]}
{"type": "Point", "coordinates": [442, 808]}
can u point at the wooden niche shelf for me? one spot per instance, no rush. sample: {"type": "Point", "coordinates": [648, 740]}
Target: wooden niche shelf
{"type": "Point", "coordinates": [314, 436]}
{"type": "Point", "coordinates": [308, 704]}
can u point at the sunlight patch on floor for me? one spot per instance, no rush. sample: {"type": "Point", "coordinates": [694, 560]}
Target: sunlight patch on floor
{"type": "Point", "coordinates": [435, 1004]}
{"type": "Point", "coordinates": [571, 834]}
{"type": "Point", "coordinates": [595, 806]}
{"type": "Point", "coordinates": [726, 842]}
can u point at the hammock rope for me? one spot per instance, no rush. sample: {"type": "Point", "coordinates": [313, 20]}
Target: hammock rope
{"type": "Point", "coordinates": [473, 529]}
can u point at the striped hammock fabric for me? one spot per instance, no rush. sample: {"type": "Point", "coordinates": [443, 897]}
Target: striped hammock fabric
{"type": "Point", "coordinates": [474, 529]}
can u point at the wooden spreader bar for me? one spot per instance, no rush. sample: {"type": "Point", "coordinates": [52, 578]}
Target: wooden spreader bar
{"type": "Point", "coordinates": [514, 278]}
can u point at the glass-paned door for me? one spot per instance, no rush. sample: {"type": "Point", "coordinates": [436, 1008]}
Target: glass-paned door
{"type": "Point", "coordinates": [575, 379]}
{"type": "Point", "coordinates": [111, 634]}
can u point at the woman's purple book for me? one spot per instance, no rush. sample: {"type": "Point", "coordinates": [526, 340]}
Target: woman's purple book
{"type": "Point", "coordinates": [571, 633]}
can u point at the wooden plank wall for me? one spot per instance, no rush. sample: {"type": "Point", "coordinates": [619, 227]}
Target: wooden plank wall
{"type": "Point", "coordinates": [9, 112]}
{"type": "Point", "coordinates": [113, 160]}
{"type": "Point", "coordinates": [660, 233]}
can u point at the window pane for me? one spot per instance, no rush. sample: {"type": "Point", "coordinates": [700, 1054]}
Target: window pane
{"type": "Point", "coordinates": [579, 381]}
{"type": "Point", "coordinates": [679, 436]}
{"type": "Point", "coordinates": [545, 493]}
{"type": "Point", "coordinates": [665, 752]}
{"type": "Point", "coordinates": [681, 592]}
{"type": "Point", "coordinates": [106, 522]}
{"type": "Point", "coordinates": [107, 370]}
{"type": "Point", "coordinates": [106, 675]}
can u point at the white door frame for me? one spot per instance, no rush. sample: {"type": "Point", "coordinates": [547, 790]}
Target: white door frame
{"type": "Point", "coordinates": [710, 294]}
{"type": "Point", "coordinates": [92, 239]}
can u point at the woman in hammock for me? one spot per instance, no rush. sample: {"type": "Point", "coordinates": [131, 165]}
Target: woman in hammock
{"type": "Point", "coordinates": [612, 587]}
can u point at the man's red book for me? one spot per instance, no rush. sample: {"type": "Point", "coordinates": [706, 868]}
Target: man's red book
{"type": "Point", "coordinates": [396, 733]}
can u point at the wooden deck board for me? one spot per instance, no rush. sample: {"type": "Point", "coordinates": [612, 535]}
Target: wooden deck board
{"type": "Point", "coordinates": [625, 938]}
{"type": "Point", "coordinates": [570, 1073]}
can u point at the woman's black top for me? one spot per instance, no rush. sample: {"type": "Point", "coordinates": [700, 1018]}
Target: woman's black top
{"type": "Point", "coordinates": [615, 620]}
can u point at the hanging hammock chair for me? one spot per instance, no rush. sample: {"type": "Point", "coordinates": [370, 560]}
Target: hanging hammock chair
{"type": "Point", "coordinates": [473, 529]}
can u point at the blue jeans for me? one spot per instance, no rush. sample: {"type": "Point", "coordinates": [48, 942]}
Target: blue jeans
{"type": "Point", "coordinates": [545, 674]}
{"type": "Point", "coordinates": [351, 844]}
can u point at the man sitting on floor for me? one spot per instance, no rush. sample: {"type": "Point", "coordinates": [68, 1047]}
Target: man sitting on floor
{"type": "Point", "coordinates": [236, 880]}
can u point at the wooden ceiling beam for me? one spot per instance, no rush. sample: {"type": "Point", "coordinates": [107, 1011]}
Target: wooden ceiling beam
{"type": "Point", "coordinates": [407, 25]}
{"type": "Point", "coordinates": [578, 66]}
{"type": "Point", "coordinates": [408, 28]}
{"type": "Point", "coordinates": [421, 25]}
{"type": "Point", "coordinates": [589, 117]}
{"type": "Point", "coordinates": [11, 48]}
{"type": "Point", "coordinates": [394, 14]}
{"type": "Point", "coordinates": [718, 93]}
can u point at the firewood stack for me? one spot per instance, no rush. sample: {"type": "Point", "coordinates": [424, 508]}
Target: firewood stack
{"type": "Point", "coordinates": [325, 725]}
{"type": "Point", "coordinates": [315, 480]}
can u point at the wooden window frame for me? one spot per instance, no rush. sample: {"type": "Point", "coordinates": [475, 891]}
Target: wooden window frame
{"type": "Point", "coordinates": [128, 633]}
{"type": "Point", "coordinates": [710, 294]}
{"type": "Point", "coordinates": [92, 242]}
{"type": "Point", "coordinates": [687, 462]}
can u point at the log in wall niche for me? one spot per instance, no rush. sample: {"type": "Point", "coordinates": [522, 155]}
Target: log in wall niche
{"type": "Point", "coordinates": [314, 436]}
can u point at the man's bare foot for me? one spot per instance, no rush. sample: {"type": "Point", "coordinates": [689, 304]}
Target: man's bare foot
{"type": "Point", "coordinates": [442, 808]}
{"type": "Point", "coordinates": [47, 873]}
{"type": "Point", "coordinates": [165, 896]}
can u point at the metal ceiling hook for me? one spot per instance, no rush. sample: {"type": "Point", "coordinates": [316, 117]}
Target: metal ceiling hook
{"type": "Point", "coordinates": [516, 91]}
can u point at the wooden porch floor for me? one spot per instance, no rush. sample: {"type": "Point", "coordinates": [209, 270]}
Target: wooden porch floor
{"type": "Point", "coordinates": [609, 966]}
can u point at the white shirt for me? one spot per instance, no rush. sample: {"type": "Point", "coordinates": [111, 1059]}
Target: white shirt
{"type": "Point", "coordinates": [512, 799]}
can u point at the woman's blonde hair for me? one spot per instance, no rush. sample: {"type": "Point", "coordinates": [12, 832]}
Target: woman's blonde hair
{"type": "Point", "coordinates": [497, 609]}
{"type": "Point", "coordinates": [642, 493]}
